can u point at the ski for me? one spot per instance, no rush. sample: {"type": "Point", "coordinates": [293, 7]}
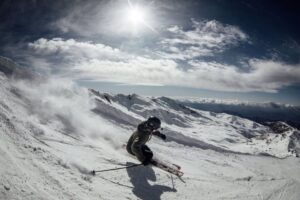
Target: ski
{"type": "Point", "coordinates": [171, 168]}
{"type": "Point", "coordinates": [177, 166]}
{"type": "Point", "coordinates": [168, 167]}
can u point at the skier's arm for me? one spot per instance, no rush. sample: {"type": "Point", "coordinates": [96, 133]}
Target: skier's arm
{"type": "Point", "coordinates": [159, 134]}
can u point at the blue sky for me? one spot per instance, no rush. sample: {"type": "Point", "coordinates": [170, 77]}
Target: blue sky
{"type": "Point", "coordinates": [245, 50]}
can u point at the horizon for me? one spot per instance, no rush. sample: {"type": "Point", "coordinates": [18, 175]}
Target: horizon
{"type": "Point", "coordinates": [247, 51]}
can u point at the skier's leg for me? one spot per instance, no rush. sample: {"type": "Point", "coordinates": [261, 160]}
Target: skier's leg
{"type": "Point", "coordinates": [128, 147]}
{"type": "Point", "coordinates": [147, 152]}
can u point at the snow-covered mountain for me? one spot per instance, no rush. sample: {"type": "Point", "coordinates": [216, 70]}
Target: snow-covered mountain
{"type": "Point", "coordinates": [53, 133]}
{"type": "Point", "coordinates": [259, 112]}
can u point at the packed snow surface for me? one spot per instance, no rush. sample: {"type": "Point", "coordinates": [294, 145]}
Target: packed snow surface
{"type": "Point", "coordinates": [53, 133]}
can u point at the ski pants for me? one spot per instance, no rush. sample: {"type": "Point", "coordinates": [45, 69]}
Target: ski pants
{"type": "Point", "coordinates": [146, 151]}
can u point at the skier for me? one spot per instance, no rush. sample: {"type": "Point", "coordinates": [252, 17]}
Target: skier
{"type": "Point", "coordinates": [137, 142]}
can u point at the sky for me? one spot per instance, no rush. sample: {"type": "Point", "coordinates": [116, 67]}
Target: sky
{"type": "Point", "coordinates": [241, 50]}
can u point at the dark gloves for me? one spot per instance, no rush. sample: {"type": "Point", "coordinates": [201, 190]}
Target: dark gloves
{"type": "Point", "coordinates": [158, 134]}
{"type": "Point", "coordinates": [163, 136]}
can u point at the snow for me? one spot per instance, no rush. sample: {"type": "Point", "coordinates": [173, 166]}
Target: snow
{"type": "Point", "coordinates": [54, 133]}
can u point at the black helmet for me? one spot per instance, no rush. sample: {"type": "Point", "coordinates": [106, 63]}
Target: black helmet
{"type": "Point", "coordinates": [154, 122]}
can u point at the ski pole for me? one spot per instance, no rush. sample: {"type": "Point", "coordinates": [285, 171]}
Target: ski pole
{"type": "Point", "coordinates": [105, 170]}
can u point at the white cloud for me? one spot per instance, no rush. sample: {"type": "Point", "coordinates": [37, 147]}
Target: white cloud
{"type": "Point", "coordinates": [204, 39]}
{"type": "Point", "coordinates": [75, 49]}
{"type": "Point", "coordinates": [140, 70]}
{"type": "Point", "coordinates": [100, 62]}
{"type": "Point", "coordinates": [263, 75]}
{"type": "Point", "coordinates": [103, 63]}
{"type": "Point", "coordinates": [108, 18]}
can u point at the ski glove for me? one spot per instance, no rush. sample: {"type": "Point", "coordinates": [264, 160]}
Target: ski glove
{"type": "Point", "coordinates": [158, 134]}
{"type": "Point", "coordinates": [163, 136]}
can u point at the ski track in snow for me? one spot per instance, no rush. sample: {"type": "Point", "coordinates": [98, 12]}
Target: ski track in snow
{"type": "Point", "coordinates": [53, 134]}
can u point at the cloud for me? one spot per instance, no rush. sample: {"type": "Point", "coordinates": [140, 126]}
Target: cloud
{"type": "Point", "coordinates": [138, 71]}
{"type": "Point", "coordinates": [206, 38]}
{"type": "Point", "coordinates": [263, 75]}
{"type": "Point", "coordinates": [101, 62]}
{"type": "Point", "coordinates": [98, 62]}
{"type": "Point", "coordinates": [75, 49]}
{"type": "Point", "coordinates": [109, 18]}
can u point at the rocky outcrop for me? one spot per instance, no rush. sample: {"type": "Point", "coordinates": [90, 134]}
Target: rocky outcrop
{"type": "Point", "coordinates": [294, 145]}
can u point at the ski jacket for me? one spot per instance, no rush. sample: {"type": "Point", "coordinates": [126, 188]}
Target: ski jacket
{"type": "Point", "coordinates": [138, 139]}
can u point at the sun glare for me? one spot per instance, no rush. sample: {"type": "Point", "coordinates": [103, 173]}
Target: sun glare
{"type": "Point", "coordinates": [135, 15]}
{"type": "Point", "coordinates": [137, 18]}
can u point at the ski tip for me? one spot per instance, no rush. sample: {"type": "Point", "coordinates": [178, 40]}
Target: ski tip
{"type": "Point", "coordinates": [177, 166]}
{"type": "Point", "coordinates": [180, 174]}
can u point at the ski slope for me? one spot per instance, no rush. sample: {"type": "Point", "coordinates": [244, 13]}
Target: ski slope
{"type": "Point", "coordinates": [53, 133]}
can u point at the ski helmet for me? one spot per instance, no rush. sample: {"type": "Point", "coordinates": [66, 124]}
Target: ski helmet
{"type": "Point", "coordinates": [154, 122]}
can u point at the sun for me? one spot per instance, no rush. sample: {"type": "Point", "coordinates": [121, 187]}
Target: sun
{"type": "Point", "coordinates": [137, 18]}
{"type": "Point", "coordinates": [136, 15]}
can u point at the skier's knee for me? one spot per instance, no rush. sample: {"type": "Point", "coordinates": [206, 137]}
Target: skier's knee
{"type": "Point", "coordinates": [147, 152]}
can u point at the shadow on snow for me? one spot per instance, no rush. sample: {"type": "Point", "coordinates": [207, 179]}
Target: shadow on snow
{"type": "Point", "coordinates": [140, 177]}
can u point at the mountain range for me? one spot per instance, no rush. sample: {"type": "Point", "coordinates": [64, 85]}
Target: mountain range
{"type": "Point", "coordinates": [54, 132]}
